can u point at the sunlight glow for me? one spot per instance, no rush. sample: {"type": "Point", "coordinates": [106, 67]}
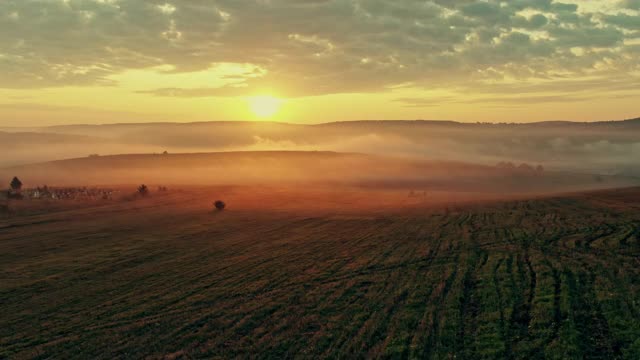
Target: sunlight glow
{"type": "Point", "coordinates": [264, 106]}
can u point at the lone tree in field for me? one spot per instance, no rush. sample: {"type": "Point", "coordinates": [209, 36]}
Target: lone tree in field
{"type": "Point", "coordinates": [143, 190]}
{"type": "Point", "coordinates": [15, 192]}
{"type": "Point", "coordinates": [16, 184]}
{"type": "Point", "coordinates": [220, 205]}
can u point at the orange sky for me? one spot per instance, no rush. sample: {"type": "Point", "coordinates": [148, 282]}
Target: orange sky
{"type": "Point", "coordinates": [106, 61]}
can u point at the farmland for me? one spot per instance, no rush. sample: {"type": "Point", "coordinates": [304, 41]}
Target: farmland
{"type": "Point", "coordinates": [323, 273]}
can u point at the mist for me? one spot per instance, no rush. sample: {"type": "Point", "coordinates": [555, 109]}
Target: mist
{"type": "Point", "coordinates": [602, 148]}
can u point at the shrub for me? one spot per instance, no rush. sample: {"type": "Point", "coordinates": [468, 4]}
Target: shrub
{"type": "Point", "coordinates": [220, 205]}
{"type": "Point", "coordinates": [143, 190]}
{"type": "Point", "coordinates": [16, 184]}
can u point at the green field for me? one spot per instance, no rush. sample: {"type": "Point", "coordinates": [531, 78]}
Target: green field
{"type": "Point", "coordinates": [323, 276]}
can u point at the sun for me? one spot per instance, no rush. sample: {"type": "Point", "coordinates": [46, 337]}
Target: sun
{"type": "Point", "coordinates": [264, 106]}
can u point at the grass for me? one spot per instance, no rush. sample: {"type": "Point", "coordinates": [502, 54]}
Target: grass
{"type": "Point", "coordinates": [282, 275]}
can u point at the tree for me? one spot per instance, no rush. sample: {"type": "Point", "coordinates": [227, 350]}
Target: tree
{"type": "Point", "coordinates": [506, 165]}
{"type": "Point", "coordinates": [524, 167]}
{"type": "Point", "coordinates": [16, 184]}
{"type": "Point", "coordinates": [143, 190]}
{"type": "Point", "coordinates": [220, 205]}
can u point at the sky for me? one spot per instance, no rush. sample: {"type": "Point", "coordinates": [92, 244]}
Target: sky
{"type": "Point", "coordinates": [312, 61]}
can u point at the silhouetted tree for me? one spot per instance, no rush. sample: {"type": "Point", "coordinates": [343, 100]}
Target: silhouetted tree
{"type": "Point", "coordinates": [524, 167]}
{"type": "Point", "coordinates": [143, 190]}
{"type": "Point", "coordinates": [220, 205]}
{"type": "Point", "coordinates": [506, 165]}
{"type": "Point", "coordinates": [16, 184]}
{"type": "Point", "coordinates": [15, 192]}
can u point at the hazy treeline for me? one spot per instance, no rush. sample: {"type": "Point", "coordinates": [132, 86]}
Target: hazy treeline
{"type": "Point", "coordinates": [605, 147]}
{"type": "Point", "coordinates": [307, 168]}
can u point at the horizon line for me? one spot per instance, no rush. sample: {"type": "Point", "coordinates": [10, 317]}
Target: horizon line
{"type": "Point", "coordinates": [457, 122]}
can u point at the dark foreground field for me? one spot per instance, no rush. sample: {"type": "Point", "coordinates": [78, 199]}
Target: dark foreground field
{"type": "Point", "coordinates": [323, 274]}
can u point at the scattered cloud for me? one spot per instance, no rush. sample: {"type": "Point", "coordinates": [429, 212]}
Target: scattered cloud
{"type": "Point", "coordinates": [318, 47]}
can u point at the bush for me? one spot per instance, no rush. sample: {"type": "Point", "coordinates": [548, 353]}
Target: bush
{"type": "Point", "coordinates": [143, 190]}
{"type": "Point", "coordinates": [220, 205]}
{"type": "Point", "coordinates": [16, 184]}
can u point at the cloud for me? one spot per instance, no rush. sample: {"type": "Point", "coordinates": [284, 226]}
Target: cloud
{"type": "Point", "coordinates": [631, 4]}
{"type": "Point", "coordinates": [503, 101]}
{"type": "Point", "coordinates": [26, 113]}
{"type": "Point", "coordinates": [564, 91]}
{"type": "Point", "coordinates": [315, 47]}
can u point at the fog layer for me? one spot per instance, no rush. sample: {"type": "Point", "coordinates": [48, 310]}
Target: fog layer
{"type": "Point", "coordinates": [609, 148]}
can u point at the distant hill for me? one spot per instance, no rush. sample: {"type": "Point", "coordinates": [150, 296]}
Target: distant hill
{"type": "Point", "coordinates": [28, 147]}
{"type": "Point", "coordinates": [607, 147]}
{"type": "Point", "coordinates": [10, 139]}
{"type": "Point", "coordinates": [298, 168]}
{"type": "Point", "coordinates": [122, 129]}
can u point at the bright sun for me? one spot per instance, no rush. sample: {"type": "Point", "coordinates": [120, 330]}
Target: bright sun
{"type": "Point", "coordinates": [264, 106]}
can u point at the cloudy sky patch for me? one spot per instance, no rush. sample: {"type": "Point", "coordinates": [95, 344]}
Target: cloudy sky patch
{"type": "Point", "coordinates": [174, 50]}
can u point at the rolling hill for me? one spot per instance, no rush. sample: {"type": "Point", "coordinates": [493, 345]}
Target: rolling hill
{"type": "Point", "coordinates": [601, 147]}
{"type": "Point", "coordinates": [300, 168]}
